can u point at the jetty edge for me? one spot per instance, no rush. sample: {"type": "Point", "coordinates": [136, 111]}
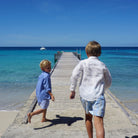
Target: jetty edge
{"type": "Point", "coordinates": [133, 117]}
{"type": "Point", "coordinates": [67, 116]}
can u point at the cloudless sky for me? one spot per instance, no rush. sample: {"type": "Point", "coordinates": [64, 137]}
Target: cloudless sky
{"type": "Point", "coordinates": [68, 22]}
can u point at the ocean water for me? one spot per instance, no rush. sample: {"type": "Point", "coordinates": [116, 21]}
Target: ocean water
{"type": "Point", "coordinates": [19, 70]}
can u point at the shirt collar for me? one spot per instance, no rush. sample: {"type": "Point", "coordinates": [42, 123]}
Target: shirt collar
{"type": "Point", "coordinates": [46, 72]}
{"type": "Point", "coordinates": [93, 57]}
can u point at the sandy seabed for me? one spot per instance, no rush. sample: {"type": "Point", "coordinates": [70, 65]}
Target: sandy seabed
{"type": "Point", "coordinates": [6, 118]}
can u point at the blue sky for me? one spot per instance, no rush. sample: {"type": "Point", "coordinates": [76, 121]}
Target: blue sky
{"type": "Point", "coordinates": [68, 22]}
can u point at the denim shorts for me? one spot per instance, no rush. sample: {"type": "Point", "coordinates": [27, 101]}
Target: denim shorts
{"type": "Point", "coordinates": [96, 108]}
{"type": "Point", "coordinates": [44, 104]}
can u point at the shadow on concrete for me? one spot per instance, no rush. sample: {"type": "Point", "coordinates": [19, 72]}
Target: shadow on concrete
{"type": "Point", "coordinates": [61, 120]}
{"type": "Point", "coordinates": [136, 136]}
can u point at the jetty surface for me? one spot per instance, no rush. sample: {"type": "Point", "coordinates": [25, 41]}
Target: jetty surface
{"type": "Point", "coordinates": [66, 116]}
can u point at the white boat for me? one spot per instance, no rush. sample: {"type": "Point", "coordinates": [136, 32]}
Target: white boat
{"type": "Point", "coordinates": [42, 48]}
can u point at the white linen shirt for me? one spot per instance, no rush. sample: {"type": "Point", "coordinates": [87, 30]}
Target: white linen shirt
{"type": "Point", "coordinates": [95, 78]}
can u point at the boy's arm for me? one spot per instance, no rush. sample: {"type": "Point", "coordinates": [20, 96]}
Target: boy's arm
{"type": "Point", "coordinates": [49, 87]}
{"type": "Point", "coordinates": [74, 78]}
{"type": "Point", "coordinates": [52, 96]}
{"type": "Point", "coordinates": [108, 79]}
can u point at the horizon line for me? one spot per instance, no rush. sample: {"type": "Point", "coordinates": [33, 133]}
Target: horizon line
{"type": "Point", "coordinates": [60, 46]}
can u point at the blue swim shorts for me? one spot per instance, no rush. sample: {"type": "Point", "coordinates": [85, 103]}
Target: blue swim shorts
{"type": "Point", "coordinates": [96, 108]}
{"type": "Point", "coordinates": [44, 104]}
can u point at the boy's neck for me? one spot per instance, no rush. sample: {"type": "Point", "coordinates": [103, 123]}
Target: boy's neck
{"type": "Point", "coordinates": [91, 56]}
{"type": "Point", "coordinates": [45, 71]}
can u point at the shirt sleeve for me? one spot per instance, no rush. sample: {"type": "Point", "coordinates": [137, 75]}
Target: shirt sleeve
{"type": "Point", "coordinates": [47, 84]}
{"type": "Point", "coordinates": [75, 75]}
{"type": "Point", "coordinates": [108, 78]}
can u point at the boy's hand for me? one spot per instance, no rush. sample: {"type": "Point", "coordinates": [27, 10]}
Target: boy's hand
{"type": "Point", "coordinates": [72, 95]}
{"type": "Point", "coordinates": [52, 98]}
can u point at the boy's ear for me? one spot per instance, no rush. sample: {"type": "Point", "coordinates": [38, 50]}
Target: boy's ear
{"type": "Point", "coordinates": [42, 69]}
{"type": "Point", "coordinates": [87, 54]}
{"type": "Point", "coordinates": [99, 54]}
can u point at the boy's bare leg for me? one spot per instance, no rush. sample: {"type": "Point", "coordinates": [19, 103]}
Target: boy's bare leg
{"type": "Point", "coordinates": [44, 116]}
{"type": "Point", "coordinates": [99, 126]}
{"type": "Point", "coordinates": [29, 117]}
{"type": "Point", "coordinates": [89, 125]}
{"type": "Point", "coordinates": [34, 113]}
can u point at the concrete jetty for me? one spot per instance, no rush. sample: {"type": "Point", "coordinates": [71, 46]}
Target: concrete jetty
{"type": "Point", "coordinates": [66, 117]}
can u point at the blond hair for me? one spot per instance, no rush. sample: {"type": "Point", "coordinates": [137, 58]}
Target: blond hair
{"type": "Point", "coordinates": [44, 63]}
{"type": "Point", "coordinates": [93, 48]}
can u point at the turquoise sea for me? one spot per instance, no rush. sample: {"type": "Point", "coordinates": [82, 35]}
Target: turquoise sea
{"type": "Point", "coordinates": [19, 70]}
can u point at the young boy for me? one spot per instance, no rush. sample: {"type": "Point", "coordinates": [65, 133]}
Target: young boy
{"type": "Point", "coordinates": [43, 91]}
{"type": "Point", "coordinates": [95, 78]}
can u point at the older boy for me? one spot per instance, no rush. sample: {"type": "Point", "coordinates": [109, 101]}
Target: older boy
{"type": "Point", "coordinates": [43, 91]}
{"type": "Point", "coordinates": [95, 78]}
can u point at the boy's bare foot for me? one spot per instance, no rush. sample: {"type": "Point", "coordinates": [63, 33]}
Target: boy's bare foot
{"type": "Point", "coordinates": [29, 117]}
{"type": "Point", "coordinates": [45, 120]}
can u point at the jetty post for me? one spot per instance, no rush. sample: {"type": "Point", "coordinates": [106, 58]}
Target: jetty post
{"type": "Point", "coordinates": [57, 56]}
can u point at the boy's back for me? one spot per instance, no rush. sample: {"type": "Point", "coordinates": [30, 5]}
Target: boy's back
{"type": "Point", "coordinates": [95, 78]}
{"type": "Point", "coordinates": [43, 86]}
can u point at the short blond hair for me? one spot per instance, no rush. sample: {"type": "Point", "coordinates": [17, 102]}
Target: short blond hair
{"type": "Point", "coordinates": [93, 48]}
{"type": "Point", "coordinates": [44, 64]}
